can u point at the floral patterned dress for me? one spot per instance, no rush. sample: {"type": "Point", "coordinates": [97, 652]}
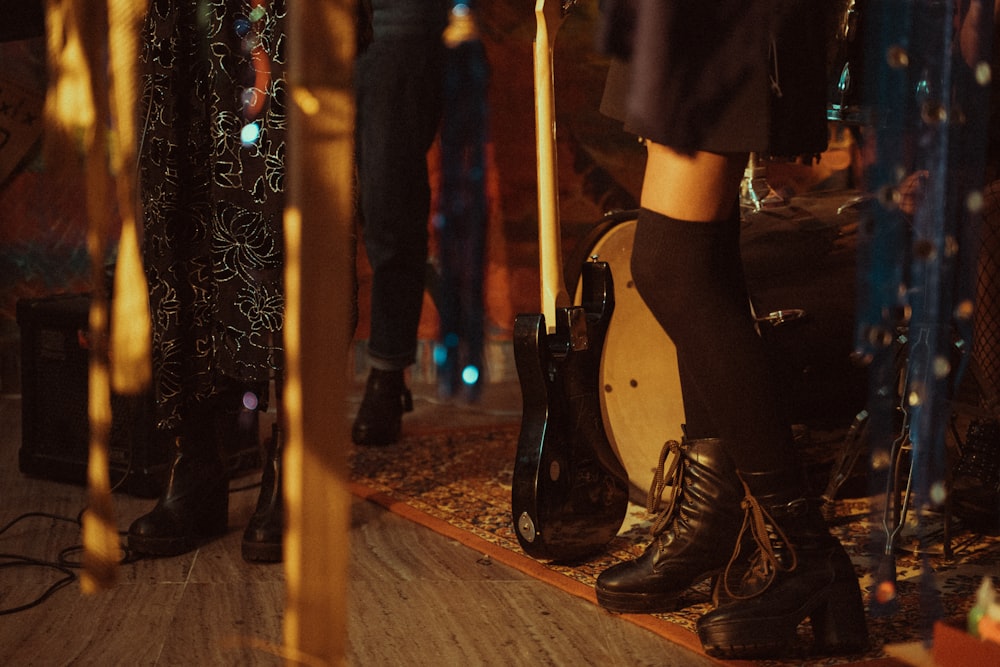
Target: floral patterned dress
{"type": "Point", "coordinates": [211, 164]}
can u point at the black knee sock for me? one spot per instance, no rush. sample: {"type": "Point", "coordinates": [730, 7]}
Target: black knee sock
{"type": "Point", "coordinates": [691, 277]}
{"type": "Point", "coordinates": [698, 421]}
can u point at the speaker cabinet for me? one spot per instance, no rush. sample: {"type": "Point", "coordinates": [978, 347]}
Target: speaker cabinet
{"type": "Point", "coordinates": [55, 429]}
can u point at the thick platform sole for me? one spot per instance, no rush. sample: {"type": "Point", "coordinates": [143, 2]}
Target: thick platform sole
{"type": "Point", "coordinates": [262, 552]}
{"type": "Point", "coordinates": [636, 603]}
{"type": "Point", "coordinates": [169, 546]}
{"type": "Point", "coordinates": [836, 614]}
{"type": "Point", "coordinates": [647, 602]}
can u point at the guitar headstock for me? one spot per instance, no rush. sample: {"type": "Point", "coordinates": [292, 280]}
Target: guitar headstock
{"type": "Point", "coordinates": [568, 5]}
{"type": "Point", "coordinates": [554, 11]}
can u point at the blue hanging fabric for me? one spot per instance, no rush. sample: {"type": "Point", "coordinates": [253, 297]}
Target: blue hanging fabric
{"type": "Point", "coordinates": [461, 218]}
{"type": "Point", "coordinates": [926, 83]}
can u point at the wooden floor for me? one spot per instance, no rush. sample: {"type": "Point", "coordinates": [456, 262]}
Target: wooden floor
{"type": "Point", "coordinates": [416, 598]}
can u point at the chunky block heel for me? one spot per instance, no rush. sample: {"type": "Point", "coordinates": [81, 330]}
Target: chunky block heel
{"type": "Point", "coordinates": [839, 625]}
{"type": "Point", "coordinates": [761, 631]}
{"type": "Point", "coordinates": [798, 571]}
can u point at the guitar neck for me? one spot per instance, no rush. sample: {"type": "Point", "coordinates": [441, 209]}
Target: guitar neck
{"type": "Point", "coordinates": [548, 15]}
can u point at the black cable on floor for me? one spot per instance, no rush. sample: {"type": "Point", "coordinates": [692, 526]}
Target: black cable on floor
{"type": "Point", "coordinates": [16, 560]}
{"type": "Point", "coordinates": [24, 561]}
{"type": "Point", "coordinates": [65, 565]}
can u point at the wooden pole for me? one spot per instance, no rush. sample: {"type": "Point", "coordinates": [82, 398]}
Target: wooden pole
{"type": "Point", "coordinates": [317, 223]}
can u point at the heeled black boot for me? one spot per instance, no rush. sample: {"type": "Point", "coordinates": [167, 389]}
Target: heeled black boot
{"type": "Point", "coordinates": [380, 417]}
{"type": "Point", "coordinates": [194, 506]}
{"type": "Point", "coordinates": [704, 514]}
{"type": "Point", "coordinates": [798, 571]}
{"type": "Point", "coordinates": [263, 534]}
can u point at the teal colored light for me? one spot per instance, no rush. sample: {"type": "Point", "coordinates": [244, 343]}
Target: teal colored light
{"type": "Point", "coordinates": [250, 134]}
{"type": "Point", "coordinates": [470, 375]}
{"type": "Point", "coordinates": [440, 354]}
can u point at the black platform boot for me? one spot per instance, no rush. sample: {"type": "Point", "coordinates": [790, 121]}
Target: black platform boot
{"type": "Point", "coordinates": [797, 571]}
{"type": "Point", "coordinates": [263, 534]}
{"type": "Point", "coordinates": [704, 514]}
{"type": "Point", "coordinates": [380, 417]}
{"type": "Point", "coordinates": [194, 506]}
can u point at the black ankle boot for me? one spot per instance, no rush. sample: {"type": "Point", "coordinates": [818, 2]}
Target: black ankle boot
{"type": "Point", "coordinates": [380, 417]}
{"type": "Point", "coordinates": [194, 506]}
{"type": "Point", "coordinates": [263, 535]}
{"type": "Point", "coordinates": [704, 514]}
{"type": "Point", "coordinates": [798, 571]}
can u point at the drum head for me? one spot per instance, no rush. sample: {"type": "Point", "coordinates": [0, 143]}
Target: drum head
{"type": "Point", "coordinates": [641, 391]}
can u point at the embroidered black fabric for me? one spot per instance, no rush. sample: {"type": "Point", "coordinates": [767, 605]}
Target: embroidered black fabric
{"type": "Point", "coordinates": [212, 204]}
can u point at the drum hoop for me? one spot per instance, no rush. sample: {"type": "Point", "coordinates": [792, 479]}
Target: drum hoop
{"type": "Point", "coordinates": [585, 246]}
{"type": "Point", "coordinates": [635, 446]}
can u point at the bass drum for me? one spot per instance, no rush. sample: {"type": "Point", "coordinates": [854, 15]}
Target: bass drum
{"type": "Point", "coordinates": [801, 264]}
{"type": "Point", "coordinates": [641, 391]}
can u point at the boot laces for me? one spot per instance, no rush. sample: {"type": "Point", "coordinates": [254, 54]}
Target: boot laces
{"type": "Point", "coordinates": [766, 563]}
{"type": "Point", "coordinates": [663, 477]}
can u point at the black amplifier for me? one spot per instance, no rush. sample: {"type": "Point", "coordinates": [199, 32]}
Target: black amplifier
{"type": "Point", "coordinates": [55, 429]}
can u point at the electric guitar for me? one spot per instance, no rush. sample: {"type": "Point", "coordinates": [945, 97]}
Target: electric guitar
{"type": "Point", "coordinates": [570, 491]}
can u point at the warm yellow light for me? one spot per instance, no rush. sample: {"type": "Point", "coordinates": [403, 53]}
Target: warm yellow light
{"type": "Point", "coordinates": [308, 103]}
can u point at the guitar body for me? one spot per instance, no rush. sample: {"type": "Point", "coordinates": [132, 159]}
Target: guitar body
{"type": "Point", "coordinates": [570, 491]}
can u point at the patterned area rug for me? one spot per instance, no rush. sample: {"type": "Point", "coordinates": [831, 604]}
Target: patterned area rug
{"type": "Point", "coordinates": [458, 483]}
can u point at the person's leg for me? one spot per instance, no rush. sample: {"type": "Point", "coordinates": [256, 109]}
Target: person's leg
{"type": "Point", "coordinates": [398, 110]}
{"type": "Point", "coordinates": [686, 266]}
{"type": "Point", "coordinates": [194, 505]}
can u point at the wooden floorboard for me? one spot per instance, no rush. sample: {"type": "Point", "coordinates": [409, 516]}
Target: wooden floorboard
{"type": "Point", "coordinates": [416, 598]}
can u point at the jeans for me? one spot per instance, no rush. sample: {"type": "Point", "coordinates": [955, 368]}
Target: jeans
{"type": "Point", "coordinates": [398, 111]}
